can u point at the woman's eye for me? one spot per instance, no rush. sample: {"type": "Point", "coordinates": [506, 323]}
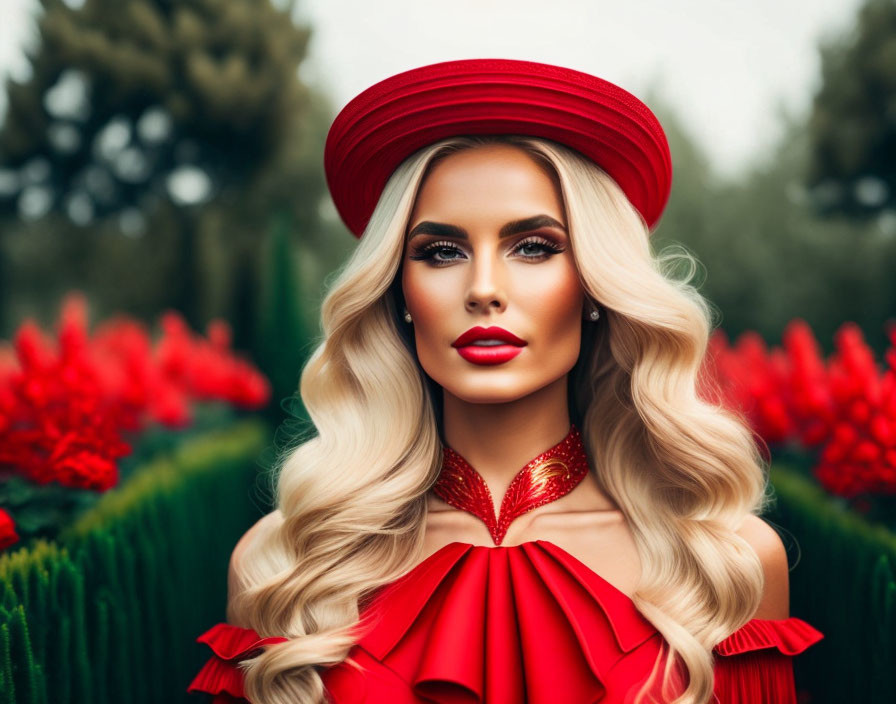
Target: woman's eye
{"type": "Point", "coordinates": [537, 248]}
{"type": "Point", "coordinates": [435, 252]}
{"type": "Point", "coordinates": [441, 253]}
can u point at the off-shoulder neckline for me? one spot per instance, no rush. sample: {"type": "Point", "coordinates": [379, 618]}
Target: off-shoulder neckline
{"type": "Point", "coordinates": [585, 568]}
{"type": "Point", "coordinates": [539, 541]}
{"type": "Point", "coordinates": [790, 634]}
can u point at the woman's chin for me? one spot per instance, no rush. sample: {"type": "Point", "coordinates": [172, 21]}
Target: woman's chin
{"type": "Point", "coordinates": [491, 388]}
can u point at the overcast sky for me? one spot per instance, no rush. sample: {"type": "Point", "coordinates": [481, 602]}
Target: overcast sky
{"type": "Point", "coordinates": [728, 66]}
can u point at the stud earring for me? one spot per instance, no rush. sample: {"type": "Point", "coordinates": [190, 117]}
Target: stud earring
{"type": "Point", "coordinates": [594, 313]}
{"type": "Point", "coordinates": [407, 316]}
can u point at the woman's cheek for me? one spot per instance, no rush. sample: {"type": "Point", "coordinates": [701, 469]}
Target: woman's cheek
{"type": "Point", "coordinates": [427, 303]}
{"type": "Point", "coordinates": [556, 315]}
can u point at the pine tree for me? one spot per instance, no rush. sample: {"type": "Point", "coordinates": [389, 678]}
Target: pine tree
{"type": "Point", "coordinates": [852, 128]}
{"type": "Point", "coordinates": [155, 113]}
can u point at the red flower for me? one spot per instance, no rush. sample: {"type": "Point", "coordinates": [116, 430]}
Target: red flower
{"type": "Point", "coordinates": [64, 407]}
{"type": "Point", "coordinates": [845, 407]}
{"type": "Point", "coordinates": [8, 535]}
{"type": "Point", "coordinates": [87, 470]}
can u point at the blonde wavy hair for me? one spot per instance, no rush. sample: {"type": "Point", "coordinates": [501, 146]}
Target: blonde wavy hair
{"type": "Point", "coordinates": [685, 472]}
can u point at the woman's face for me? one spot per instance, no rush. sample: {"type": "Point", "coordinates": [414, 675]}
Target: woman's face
{"type": "Point", "coordinates": [487, 245]}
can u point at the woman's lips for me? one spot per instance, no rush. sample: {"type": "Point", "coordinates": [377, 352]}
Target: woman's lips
{"type": "Point", "coordinates": [510, 345]}
{"type": "Point", "coordinates": [491, 354]}
{"type": "Point", "coordinates": [492, 333]}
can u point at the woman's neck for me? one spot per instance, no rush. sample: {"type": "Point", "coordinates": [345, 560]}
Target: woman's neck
{"type": "Point", "coordinates": [497, 439]}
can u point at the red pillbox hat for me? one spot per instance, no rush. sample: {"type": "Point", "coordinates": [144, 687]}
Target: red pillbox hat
{"type": "Point", "coordinates": [394, 118]}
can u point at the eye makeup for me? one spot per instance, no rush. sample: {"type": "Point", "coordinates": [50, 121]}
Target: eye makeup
{"type": "Point", "coordinates": [430, 251]}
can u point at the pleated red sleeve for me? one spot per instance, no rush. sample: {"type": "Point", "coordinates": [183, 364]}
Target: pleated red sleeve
{"type": "Point", "coordinates": [754, 665]}
{"type": "Point", "coordinates": [223, 679]}
{"type": "Point", "coordinates": [220, 676]}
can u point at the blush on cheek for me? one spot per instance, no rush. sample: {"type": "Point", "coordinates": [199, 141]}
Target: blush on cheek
{"type": "Point", "coordinates": [569, 346]}
{"type": "Point", "coordinates": [426, 350]}
{"type": "Point", "coordinates": [426, 294]}
{"type": "Point", "coordinates": [562, 320]}
{"type": "Point", "coordinates": [432, 350]}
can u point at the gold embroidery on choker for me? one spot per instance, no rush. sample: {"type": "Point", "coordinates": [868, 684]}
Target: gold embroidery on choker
{"type": "Point", "coordinates": [547, 477]}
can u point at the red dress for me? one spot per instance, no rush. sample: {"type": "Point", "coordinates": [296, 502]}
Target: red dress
{"type": "Point", "coordinates": [526, 623]}
{"type": "Point", "coordinates": [507, 625]}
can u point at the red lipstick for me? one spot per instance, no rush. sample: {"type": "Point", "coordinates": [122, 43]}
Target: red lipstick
{"type": "Point", "coordinates": [503, 345]}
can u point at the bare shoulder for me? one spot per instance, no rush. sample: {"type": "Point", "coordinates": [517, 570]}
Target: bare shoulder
{"type": "Point", "coordinates": [769, 547]}
{"type": "Point", "coordinates": [263, 525]}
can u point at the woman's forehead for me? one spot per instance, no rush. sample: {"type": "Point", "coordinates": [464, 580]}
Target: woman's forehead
{"type": "Point", "coordinates": [498, 180]}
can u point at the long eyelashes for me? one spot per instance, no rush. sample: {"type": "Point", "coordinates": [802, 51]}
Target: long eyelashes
{"type": "Point", "coordinates": [429, 251]}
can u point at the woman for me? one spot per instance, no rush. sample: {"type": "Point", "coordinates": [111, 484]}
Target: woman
{"type": "Point", "coordinates": [516, 493]}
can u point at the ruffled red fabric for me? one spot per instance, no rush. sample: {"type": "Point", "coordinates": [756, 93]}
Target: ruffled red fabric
{"type": "Point", "coordinates": [756, 661]}
{"type": "Point", "coordinates": [790, 636]}
{"type": "Point", "coordinates": [529, 623]}
{"type": "Point", "coordinates": [220, 675]}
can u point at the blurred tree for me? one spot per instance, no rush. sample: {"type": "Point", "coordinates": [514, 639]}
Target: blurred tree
{"type": "Point", "coordinates": [852, 128]}
{"type": "Point", "coordinates": [765, 256]}
{"type": "Point", "coordinates": [283, 335]}
{"type": "Point", "coordinates": [182, 119]}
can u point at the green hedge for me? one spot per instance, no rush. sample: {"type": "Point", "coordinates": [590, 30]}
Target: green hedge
{"type": "Point", "coordinates": [110, 612]}
{"type": "Point", "coordinates": [842, 583]}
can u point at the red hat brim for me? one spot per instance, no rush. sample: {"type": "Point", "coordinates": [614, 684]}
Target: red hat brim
{"type": "Point", "coordinates": [394, 118]}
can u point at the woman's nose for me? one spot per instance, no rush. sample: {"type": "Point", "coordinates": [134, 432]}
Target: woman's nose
{"type": "Point", "coordinates": [486, 286]}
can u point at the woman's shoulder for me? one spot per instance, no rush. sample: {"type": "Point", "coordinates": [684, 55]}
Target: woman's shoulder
{"type": "Point", "coordinates": [263, 526]}
{"type": "Point", "coordinates": [769, 548]}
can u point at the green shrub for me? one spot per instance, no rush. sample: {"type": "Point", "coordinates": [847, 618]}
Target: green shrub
{"type": "Point", "coordinates": [842, 583]}
{"type": "Point", "coordinates": [110, 612]}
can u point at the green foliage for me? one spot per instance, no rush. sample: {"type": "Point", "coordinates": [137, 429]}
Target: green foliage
{"type": "Point", "coordinates": [110, 613]}
{"type": "Point", "coordinates": [842, 582]}
{"type": "Point", "coordinates": [125, 101]}
{"type": "Point", "coordinates": [766, 257]}
{"type": "Point", "coordinates": [213, 82]}
{"type": "Point", "coordinates": [283, 341]}
{"type": "Point", "coordinates": [852, 129]}
{"type": "Point", "coordinates": [42, 510]}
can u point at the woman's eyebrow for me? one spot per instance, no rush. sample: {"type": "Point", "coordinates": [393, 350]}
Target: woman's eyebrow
{"type": "Point", "coordinates": [440, 229]}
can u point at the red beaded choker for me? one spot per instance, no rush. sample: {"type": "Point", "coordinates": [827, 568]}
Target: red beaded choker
{"type": "Point", "coordinates": [554, 473]}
